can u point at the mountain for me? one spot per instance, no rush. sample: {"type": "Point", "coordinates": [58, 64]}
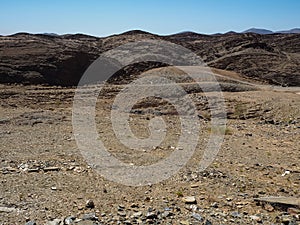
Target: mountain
{"type": "Point", "coordinates": [50, 34]}
{"type": "Point", "coordinates": [61, 60]}
{"type": "Point", "coordinates": [291, 31]}
{"type": "Point", "coordinates": [258, 31]}
{"type": "Point", "coordinates": [264, 31]}
{"type": "Point", "coordinates": [135, 32]}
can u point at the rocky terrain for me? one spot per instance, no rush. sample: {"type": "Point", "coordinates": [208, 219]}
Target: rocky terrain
{"type": "Point", "coordinates": [61, 60]}
{"type": "Point", "coordinates": [254, 179]}
{"type": "Point", "coordinates": [45, 179]}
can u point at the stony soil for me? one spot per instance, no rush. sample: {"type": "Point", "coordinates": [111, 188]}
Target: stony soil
{"type": "Point", "coordinates": [45, 179]}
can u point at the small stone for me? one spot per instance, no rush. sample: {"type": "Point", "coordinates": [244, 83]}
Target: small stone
{"type": "Point", "coordinates": [137, 214]}
{"type": "Point", "coordinates": [33, 170]}
{"type": "Point", "coordinates": [197, 216]}
{"type": "Point", "coordinates": [236, 214]}
{"type": "Point", "coordinates": [287, 172]}
{"type": "Point", "coordinates": [193, 207]}
{"type": "Point", "coordinates": [121, 207]}
{"type": "Point", "coordinates": [255, 218]}
{"type": "Point", "coordinates": [54, 222]}
{"type": "Point", "coordinates": [184, 222]}
{"type": "Point", "coordinates": [69, 220]}
{"type": "Point", "coordinates": [90, 204]}
{"type": "Point", "coordinates": [151, 215]}
{"type": "Point", "coordinates": [207, 222]}
{"type": "Point", "coordinates": [134, 205]}
{"type": "Point", "coordinates": [52, 168]}
{"type": "Point", "coordinates": [194, 185]}
{"type": "Point", "coordinates": [79, 221]}
{"type": "Point", "coordinates": [7, 209]}
{"type": "Point", "coordinates": [189, 200]}
{"type": "Point", "coordinates": [279, 200]}
{"type": "Point", "coordinates": [70, 167]}
{"type": "Point", "coordinates": [90, 216]}
{"type": "Point", "coordinates": [269, 208]}
{"type": "Point", "coordinates": [78, 169]}
{"type": "Point", "coordinates": [30, 223]}
{"type": "Point", "coordinates": [23, 166]}
{"type": "Point", "coordinates": [215, 205]}
{"type": "Point", "coordinates": [80, 207]}
{"type": "Point", "coordinates": [122, 213]}
{"type": "Point", "coordinates": [167, 214]}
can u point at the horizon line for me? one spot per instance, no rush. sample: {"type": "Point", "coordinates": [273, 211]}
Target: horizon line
{"type": "Point", "coordinates": [145, 31]}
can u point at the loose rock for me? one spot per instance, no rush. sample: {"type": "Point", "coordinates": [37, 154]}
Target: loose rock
{"type": "Point", "coordinates": [197, 216]}
{"type": "Point", "coordinates": [90, 204]}
{"type": "Point", "coordinates": [189, 200]}
{"type": "Point", "coordinates": [30, 223]}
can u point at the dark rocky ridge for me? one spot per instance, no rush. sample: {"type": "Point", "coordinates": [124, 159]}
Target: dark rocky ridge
{"type": "Point", "coordinates": [61, 60]}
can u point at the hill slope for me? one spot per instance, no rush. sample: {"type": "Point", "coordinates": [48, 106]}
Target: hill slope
{"type": "Point", "coordinates": [61, 60]}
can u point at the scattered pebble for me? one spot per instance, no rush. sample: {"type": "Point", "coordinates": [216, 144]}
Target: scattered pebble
{"type": "Point", "coordinates": [90, 204]}
{"type": "Point", "coordinates": [189, 199]}
{"type": "Point", "coordinates": [52, 168]}
{"type": "Point", "coordinates": [54, 222]}
{"type": "Point", "coordinates": [30, 223]}
{"type": "Point", "coordinates": [197, 216]}
{"type": "Point", "coordinates": [287, 172]}
{"type": "Point", "coordinates": [7, 209]}
{"type": "Point", "coordinates": [69, 220]}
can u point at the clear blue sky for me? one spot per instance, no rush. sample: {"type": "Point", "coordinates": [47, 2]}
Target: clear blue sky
{"type": "Point", "coordinates": [105, 17]}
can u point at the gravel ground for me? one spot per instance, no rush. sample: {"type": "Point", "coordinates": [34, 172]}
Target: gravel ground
{"type": "Point", "coordinates": [45, 179]}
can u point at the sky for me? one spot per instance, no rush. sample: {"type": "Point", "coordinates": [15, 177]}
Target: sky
{"type": "Point", "coordinates": [107, 17]}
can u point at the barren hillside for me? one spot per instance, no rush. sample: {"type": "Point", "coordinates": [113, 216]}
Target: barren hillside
{"type": "Point", "coordinates": [61, 60]}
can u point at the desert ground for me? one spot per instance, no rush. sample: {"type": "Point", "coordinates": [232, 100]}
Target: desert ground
{"type": "Point", "coordinates": [46, 180]}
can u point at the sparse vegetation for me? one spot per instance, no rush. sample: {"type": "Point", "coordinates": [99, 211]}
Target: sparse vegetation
{"type": "Point", "coordinates": [221, 130]}
{"type": "Point", "coordinates": [179, 193]}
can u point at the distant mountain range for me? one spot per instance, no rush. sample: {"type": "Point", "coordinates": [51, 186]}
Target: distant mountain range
{"type": "Point", "coordinates": [251, 30]}
{"type": "Point", "coordinates": [264, 31]}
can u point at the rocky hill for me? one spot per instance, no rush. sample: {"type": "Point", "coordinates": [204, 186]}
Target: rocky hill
{"type": "Point", "coordinates": [62, 59]}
